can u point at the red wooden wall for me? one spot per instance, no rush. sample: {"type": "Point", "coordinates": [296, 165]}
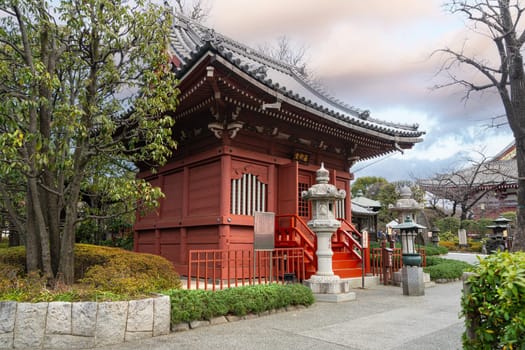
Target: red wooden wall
{"type": "Point", "coordinates": [195, 213]}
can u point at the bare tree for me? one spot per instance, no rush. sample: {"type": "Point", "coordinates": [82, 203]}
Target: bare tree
{"type": "Point", "coordinates": [286, 51]}
{"type": "Point", "coordinates": [465, 187]}
{"type": "Point", "coordinates": [502, 22]}
{"type": "Point", "coordinates": [197, 10]}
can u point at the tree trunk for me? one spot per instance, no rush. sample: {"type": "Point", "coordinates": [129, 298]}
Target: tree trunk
{"type": "Point", "coordinates": [519, 233]}
{"type": "Point", "coordinates": [32, 240]}
{"type": "Point", "coordinates": [514, 103]}
{"type": "Point", "coordinates": [40, 227]}
{"type": "Point", "coordinates": [66, 266]}
{"type": "Point", "coordinates": [52, 218]}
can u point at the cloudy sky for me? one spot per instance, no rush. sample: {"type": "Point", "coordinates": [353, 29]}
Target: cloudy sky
{"type": "Point", "coordinates": [377, 55]}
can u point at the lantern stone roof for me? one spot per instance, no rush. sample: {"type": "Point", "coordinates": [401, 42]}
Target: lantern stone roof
{"type": "Point", "coordinates": [405, 201]}
{"type": "Point", "coordinates": [500, 222]}
{"type": "Point", "coordinates": [408, 224]}
{"type": "Point", "coordinates": [192, 42]}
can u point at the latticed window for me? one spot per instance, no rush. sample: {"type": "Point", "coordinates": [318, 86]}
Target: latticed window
{"type": "Point", "coordinates": [340, 209]}
{"type": "Point", "coordinates": [248, 195]}
{"type": "Point", "coordinates": [303, 204]}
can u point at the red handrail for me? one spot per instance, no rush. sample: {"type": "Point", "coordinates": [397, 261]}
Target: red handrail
{"type": "Point", "coordinates": [294, 229]}
{"type": "Point", "coordinates": [347, 231]}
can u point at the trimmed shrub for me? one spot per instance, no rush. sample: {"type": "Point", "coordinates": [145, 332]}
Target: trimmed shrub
{"type": "Point", "coordinates": [192, 305]}
{"type": "Point", "coordinates": [131, 273]}
{"type": "Point", "coordinates": [496, 296]}
{"type": "Point", "coordinates": [450, 245]}
{"type": "Point", "coordinates": [102, 273]}
{"type": "Point", "coordinates": [475, 246]}
{"type": "Point", "coordinates": [445, 269]}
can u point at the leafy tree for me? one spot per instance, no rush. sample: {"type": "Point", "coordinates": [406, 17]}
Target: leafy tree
{"type": "Point", "coordinates": [387, 196]}
{"type": "Point", "coordinates": [368, 185]}
{"type": "Point", "coordinates": [85, 87]}
{"type": "Point", "coordinates": [501, 21]}
{"type": "Point", "coordinates": [448, 224]}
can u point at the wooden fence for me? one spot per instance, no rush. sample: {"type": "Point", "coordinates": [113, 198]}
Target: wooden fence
{"type": "Point", "coordinates": [223, 268]}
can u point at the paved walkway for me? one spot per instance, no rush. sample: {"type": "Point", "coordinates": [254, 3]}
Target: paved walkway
{"type": "Point", "coordinates": [471, 258]}
{"type": "Point", "coordinates": [381, 318]}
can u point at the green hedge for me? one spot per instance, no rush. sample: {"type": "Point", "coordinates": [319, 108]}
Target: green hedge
{"type": "Point", "coordinates": [497, 300]}
{"type": "Point", "coordinates": [445, 269]}
{"type": "Point", "coordinates": [431, 250]}
{"type": "Point", "coordinates": [191, 305]}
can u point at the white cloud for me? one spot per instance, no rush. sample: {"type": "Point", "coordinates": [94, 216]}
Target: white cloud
{"type": "Point", "coordinates": [377, 55]}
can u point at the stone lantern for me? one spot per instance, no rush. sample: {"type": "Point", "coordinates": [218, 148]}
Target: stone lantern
{"type": "Point", "coordinates": [323, 196]}
{"type": "Point", "coordinates": [411, 273]}
{"type": "Point", "coordinates": [325, 285]}
{"type": "Point", "coordinates": [406, 205]}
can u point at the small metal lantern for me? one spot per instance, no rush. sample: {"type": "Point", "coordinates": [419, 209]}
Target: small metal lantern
{"type": "Point", "coordinates": [408, 232]}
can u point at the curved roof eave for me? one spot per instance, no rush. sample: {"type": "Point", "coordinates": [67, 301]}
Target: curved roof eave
{"type": "Point", "coordinates": [208, 51]}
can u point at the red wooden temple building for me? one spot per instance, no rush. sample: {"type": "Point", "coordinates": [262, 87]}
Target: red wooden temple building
{"type": "Point", "coordinates": [251, 133]}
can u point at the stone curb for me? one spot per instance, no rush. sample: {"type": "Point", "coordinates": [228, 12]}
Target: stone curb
{"type": "Point", "coordinates": [80, 325]}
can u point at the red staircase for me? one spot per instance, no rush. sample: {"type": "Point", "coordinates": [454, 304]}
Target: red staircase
{"type": "Point", "coordinates": [291, 232]}
{"type": "Point", "coordinates": [348, 252]}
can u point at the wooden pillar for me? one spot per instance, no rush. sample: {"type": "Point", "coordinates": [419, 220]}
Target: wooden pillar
{"type": "Point", "coordinates": [271, 200]}
{"type": "Point", "coordinates": [185, 209]}
{"type": "Point", "coordinates": [224, 205]}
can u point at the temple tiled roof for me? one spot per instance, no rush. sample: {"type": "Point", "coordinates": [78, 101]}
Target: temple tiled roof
{"type": "Point", "coordinates": [191, 40]}
{"type": "Point", "coordinates": [359, 210]}
{"type": "Point", "coordinates": [366, 202]}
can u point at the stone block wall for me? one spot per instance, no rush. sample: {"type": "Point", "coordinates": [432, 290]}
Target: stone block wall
{"type": "Point", "coordinates": [80, 325]}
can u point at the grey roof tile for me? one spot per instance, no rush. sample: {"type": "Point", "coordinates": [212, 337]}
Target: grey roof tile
{"type": "Point", "coordinates": [190, 39]}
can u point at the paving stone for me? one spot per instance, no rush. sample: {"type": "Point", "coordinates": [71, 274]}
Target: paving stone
{"type": "Point", "coordinates": [84, 318]}
{"type": "Point", "coordinates": [140, 316]}
{"type": "Point", "coordinates": [161, 315]}
{"type": "Point", "coordinates": [63, 341]}
{"type": "Point", "coordinates": [218, 320]}
{"type": "Point", "coordinates": [8, 312]}
{"type": "Point", "coordinates": [111, 323]}
{"type": "Point", "coordinates": [30, 325]}
{"type": "Point", "coordinates": [180, 327]}
{"type": "Point", "coordinates": [58, 318]}
{"type": "Point", "coordinates": [6, 340]}
{"type": "Point", "coordinates": [250, 317]}
{"type": "Point", "coordinates": [198, 324]}
{"type": "Point", "coordinates": [233, 318]}
{"type": "Point", "coordinates": [131, 336]}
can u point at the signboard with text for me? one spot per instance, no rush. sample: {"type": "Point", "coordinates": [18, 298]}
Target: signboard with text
{"type": "Point", "coordinates": [264, 231]}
